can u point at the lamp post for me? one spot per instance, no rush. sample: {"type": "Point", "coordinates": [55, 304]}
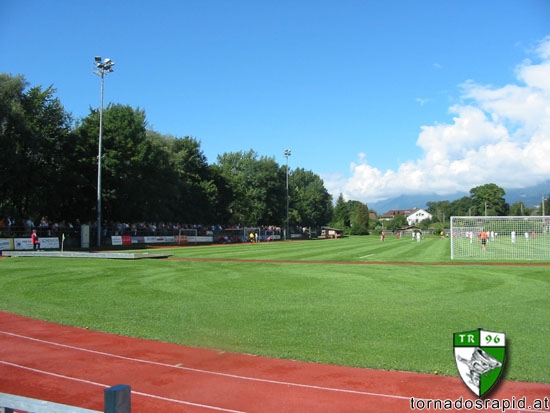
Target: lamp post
{"type": "Point", "coordinates": [287, 154]}
{"type": "Point", "coordinates": [102, 68]}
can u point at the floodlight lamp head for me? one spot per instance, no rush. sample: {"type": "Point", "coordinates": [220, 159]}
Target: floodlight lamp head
{"type": "Point", "coordinates": [98, 58]}
{"type": "Point", "coordinates": [107, 60]}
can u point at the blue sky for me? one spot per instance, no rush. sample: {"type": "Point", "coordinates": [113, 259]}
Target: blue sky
{"type": "Point", "coordinates": [379, 98]}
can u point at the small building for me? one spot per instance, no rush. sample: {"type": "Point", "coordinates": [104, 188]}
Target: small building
{"type": "Point", "coordinates": [418, 215]}
{"type": "Point", "coordinates": [413, 216]}
{"type": "Point", "coordinates": [328, 232]}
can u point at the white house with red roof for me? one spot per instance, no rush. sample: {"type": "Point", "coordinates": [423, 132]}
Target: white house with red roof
{"type": "Point", "coordinates": [413, 216]}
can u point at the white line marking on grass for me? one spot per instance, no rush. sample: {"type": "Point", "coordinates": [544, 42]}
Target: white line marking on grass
{"type": "Point", "coordinates": [365, 256]}
{"type": "Point", "coordinates": [216, 373]}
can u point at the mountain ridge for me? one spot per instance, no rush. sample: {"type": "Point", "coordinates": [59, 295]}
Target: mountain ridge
{"type": "Point", "coordinates": [530, 196]}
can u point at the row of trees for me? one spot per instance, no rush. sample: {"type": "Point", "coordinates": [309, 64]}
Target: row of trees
{"type": "Point", "coordinates": [484, 200]}
{"type": "Point", "coordinates": [48, 167]}
{"type": "Point", "coordinates": [353, 215]}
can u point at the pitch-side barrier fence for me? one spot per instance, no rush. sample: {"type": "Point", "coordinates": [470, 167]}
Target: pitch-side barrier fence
{"type": "Point", "coordinates": [18, 238]}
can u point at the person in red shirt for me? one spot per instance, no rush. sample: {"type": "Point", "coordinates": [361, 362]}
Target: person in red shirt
{"type": "Point", "coordinates": [35, 240]}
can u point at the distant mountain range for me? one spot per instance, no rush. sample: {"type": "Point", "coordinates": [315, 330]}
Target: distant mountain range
{"type": "Point", "coordinates": [531, 197]}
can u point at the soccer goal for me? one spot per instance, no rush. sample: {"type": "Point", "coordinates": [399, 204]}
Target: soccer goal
{"type": "Point", "coordinates": [186, 236]}
{"type": "Point", "coordinates": [251, 234]}
{"type": "Point", "coordinates": [501, 238]}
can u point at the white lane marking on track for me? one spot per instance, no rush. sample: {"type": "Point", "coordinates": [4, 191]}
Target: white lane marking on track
{"type": "Point", "coordinates": [216, 373]}
{"type": "Point", "coordinates": [49, 373]}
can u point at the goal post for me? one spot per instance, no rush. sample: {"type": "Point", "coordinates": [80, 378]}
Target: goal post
{"type": "Point", "coordinates": [186, 236]}
{"type": "Point", "coordinates": [251, 234]}
{"type": "Point", "coordinates": [506, 238]}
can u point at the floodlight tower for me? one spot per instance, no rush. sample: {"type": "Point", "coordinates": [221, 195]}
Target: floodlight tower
{"type": "Point", "coordinates": [287, 154]}
{"type": "Point", "coordinates": [102, 68]}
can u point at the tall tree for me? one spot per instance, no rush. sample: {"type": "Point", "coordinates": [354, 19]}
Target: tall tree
{"type": "Point", "coordinates": [158, 179]}
{"type": "Point", "coordinates": [489, 198]}
{"type": "Point", "coordinates": [33, 129]}
{"type": "Point", "coordinates": [461, 207]}
{"type": "Point", "coordinates": [440, 210]}
{"type": "Point", "coordinates": [398, 221]}
{"type": "Point", "coordinates": [258, 187]}
{"type": "Point", "coordinates": [311, 202]}
{"type": "Point", "coordinates": [341, 212]}
{"type": "Point", "coordinates": [519, 209]}
{"type": "Point", "coordinates": [359, 217]}
{"type": "Point", "coordinates": [12, 130]}
{"type": "Point", "coordinates": [136, 172]}
{"type": "Point", "coordinates": [201, 193]}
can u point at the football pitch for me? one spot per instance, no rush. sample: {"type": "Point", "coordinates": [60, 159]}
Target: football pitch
{"type": "Point", "coordinates": [355, 301]}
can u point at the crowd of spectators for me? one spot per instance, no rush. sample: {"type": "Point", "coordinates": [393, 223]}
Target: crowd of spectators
{"type": "Point", "coordinates": [10, 227]}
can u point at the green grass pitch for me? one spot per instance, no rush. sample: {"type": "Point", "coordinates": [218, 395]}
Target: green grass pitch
{"type": "Point", "coordinates": [397, 313]}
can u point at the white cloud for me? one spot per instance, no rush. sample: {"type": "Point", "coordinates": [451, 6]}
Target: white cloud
{"type": "Point", "coordinates": [498, 134]}
{"type": "Point", "coordinates": [423, 101]}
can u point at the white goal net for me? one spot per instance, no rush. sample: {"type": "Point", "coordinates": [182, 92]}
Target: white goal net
{"type": "Point", "coordinates": [500, 238]}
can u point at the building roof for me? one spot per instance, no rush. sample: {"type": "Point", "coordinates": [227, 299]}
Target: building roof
{"type": "Point", "coordinates": [405, 212]}
{"type": "Point", "coordinates": [393, 212]}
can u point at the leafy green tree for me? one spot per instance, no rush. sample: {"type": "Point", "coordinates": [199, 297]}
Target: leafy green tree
{"type": "Point", "coordinates": [159, 179]}
{"type": "Point", "coordinates": [49, 166]}
{"type": "Point", "coordinates": [489, 198]}
{"type": "Point", "coordinates": [518, 209]}
{"type": "Point", "coordinates": [428, 223]}
{"type": "Point", "coordinates": [258, 186]}
{"type": "Point", "coordinates": [373, 223]}
{"type": "Point", "coordinates": [351, 214]}
{"type": "Point", "coordinates": [12, 138]}
{"type": "Point", "coordinates": [461, 207]}
{"type": "Point", "coordinates": [359, 221]}
{"type": "Point", "coordinates": [126, 151]}
{"type": "Point", "coordinates": [441, 210]}
{"type": "Point", "coordinates": [341, 213]}
{"type": "Point", "coordinates": [200, 193]}
{"type": "Point", "coordinates": [311, 202]}
{"type": "Point", "coordinates": [398, 221]}
{"type": "Point", "coordinates": [34, 128]}
{"type": "Point", "coordinates": [146, 176]}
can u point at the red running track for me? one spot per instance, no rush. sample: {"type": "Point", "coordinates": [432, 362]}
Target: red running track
{"type": "Point", "coordinates": [73, 366]}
